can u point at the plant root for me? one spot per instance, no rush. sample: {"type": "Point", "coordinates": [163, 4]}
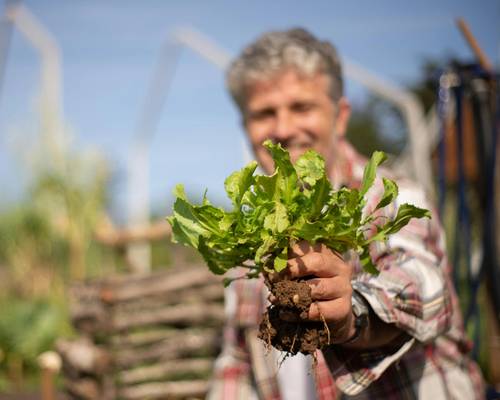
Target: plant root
{"type": "Point", "coordinates": [324, 324]}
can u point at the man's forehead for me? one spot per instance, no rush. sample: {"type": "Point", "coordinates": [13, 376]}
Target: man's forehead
{"type": "Point", "coordinates": [286, 84]}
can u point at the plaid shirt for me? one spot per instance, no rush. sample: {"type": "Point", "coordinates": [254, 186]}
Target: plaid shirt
{"type": "Point", "coordinates": [413, 291]}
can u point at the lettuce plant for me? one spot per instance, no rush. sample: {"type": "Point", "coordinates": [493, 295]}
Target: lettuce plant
{"type": "Point", "coordinates": [271, 212]}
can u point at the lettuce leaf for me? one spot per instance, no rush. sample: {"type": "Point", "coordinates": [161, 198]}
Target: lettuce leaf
{"type": "Point", "coordinates": [295, 203]}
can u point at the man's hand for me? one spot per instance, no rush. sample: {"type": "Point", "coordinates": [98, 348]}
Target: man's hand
{"type": "Point", "coordinates": [330, 280]}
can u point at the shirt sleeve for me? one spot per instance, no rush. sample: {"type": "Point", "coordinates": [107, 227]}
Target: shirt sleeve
{"type": "Point", "coordinates": [411, 292]}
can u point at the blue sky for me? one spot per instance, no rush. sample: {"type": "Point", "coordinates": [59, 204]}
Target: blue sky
{"type": "Point", "coordinates": [110, 48]}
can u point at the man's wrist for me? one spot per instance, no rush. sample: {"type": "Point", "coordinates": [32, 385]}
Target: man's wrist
{"type": "Point", "coordinates": [360, 312]}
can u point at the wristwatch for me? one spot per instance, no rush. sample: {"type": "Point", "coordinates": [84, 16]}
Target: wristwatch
{"type": "Point", "coordinates": [360, 310]}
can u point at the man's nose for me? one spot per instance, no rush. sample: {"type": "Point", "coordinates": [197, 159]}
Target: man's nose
{"type": "Point", "coordinates": [284, 125]}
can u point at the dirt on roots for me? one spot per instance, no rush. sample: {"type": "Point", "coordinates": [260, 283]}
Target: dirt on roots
{"type": "Point", "coordinates": [283, 324]}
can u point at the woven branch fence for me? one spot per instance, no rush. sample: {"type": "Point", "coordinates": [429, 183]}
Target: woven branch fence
{"type": "Point", "coordinates": [144, 337]}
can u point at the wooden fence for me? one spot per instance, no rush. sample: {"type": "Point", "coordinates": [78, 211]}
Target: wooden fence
{"type": "Point", "coordinates": [144, 337]}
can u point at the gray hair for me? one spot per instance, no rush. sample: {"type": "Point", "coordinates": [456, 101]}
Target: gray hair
{"type": "Point", "coordinates": [275, 51]}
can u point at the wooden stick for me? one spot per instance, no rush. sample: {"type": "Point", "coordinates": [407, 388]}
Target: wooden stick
{"type": "Point", "coordinates": [50, 364]}
{"type": "Point", "coordinates": [84, 356]}
{"type": "Point", "coordinates": [90, 314]}
{"type": "Point", "coordinates": [182, 345]}
{"type": "Point", "coordinates": [170, 390]}
{"type": "Point", "coordinates": [164, 371]}
{"type": "Point", "coordinates": [152, 336]}
{"type": "Point", "coordinates": [155, 284]}
{"type": "Point", "coordinates": [182, 314]}
{"type": "Point", "coordinates": [83, 388]}
{"type": "Point", "coordinates": [200, 295]}
{"type": "Point", "coordinates": [111, 236]}
{"type": "Point", "coordinates": [473, 44]}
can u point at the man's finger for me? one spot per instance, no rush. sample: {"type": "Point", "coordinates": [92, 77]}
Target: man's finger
{"type": "Point", "coordinates": [322, 265]}
{"type": "Point", "coordinates": [330, 311]}
{"type": "Point", "coordinates": [302, 248]}
{"type": "Point", "coordinates": [329, 288]}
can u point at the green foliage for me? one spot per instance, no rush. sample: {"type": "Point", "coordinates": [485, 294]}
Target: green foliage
{"type": "Point", "coordinates": [27, 328]}
{"type": "Point", "coordinates": [25, 224]}
{"type": "Point", "coordinates": [45, 241]}
{"type": "Point", "coordinates": [377, 125]}
{"type": "Point", "coordinates": [270, 213]}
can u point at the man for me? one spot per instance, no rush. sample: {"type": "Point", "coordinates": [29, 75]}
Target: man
{"type": "Point", "coordinates": [395, 335]}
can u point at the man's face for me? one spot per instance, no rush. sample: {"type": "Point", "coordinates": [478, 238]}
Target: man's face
{"type": "Point", "coordinates": [297, 112]}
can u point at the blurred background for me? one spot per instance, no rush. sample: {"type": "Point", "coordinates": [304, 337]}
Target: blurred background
{"type": "Point", "coordinates": [106, 106]}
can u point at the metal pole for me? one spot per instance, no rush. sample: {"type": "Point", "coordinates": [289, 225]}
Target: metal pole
{"type": "Point", "coordinates": [417, 154]}
{"type": "Point", "coordinates": [5, 35]}
{"type": "Point", "coordinates": [139, 254]}
{"type": "Point", "coordinates": [51, 82]}
{"type": "Point", "coordinates": [204, 46]}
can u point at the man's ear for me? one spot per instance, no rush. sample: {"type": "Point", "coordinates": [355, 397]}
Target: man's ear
{"type": "Point", "coordinates": [343, 115]}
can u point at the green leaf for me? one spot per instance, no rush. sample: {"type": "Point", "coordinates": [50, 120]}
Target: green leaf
{"type": "Point", "coordinates": [381, 235]}
{"type": "Point", "coordinates": [367, 263]}
{"type": "Point", "coordinates": [205, 200]}
{"type": "Point", "coordinates": [209, 258]}
{"type": "Point", "coordinates": [390, 193]}
{"type": "Point", "coordinates": [263, 190]}
{"type": "Point", "coordinates": [264, 249]}
{"type": "Point", "coordinates": [320, 194]}
{"type": "Point", "coordinates": [309, 231]}
{"type": "Point", "coordinates": [179, 191]}
{"type": "Point", "coordinates": [378, 157]}
{"type": "Point", "coordinates": [281, 260]}
{"type": "Point", "coordinates": [310, 167]}
{"type": "Point", "coordinates": [227, 281]}
{"type": "Point", "coordinates": [182, 234]}
{"type": "Point", "coordinates": [209, 217]}
{"type": "Point", "coordinates": [226, 222]}
{"type": "Point", "coordinates": [287, 176]}
{"type": "Point", "coordinates": [405, 213]}
{"type": "Point", "coordinates": [266, 185]}
{"type": "Point", "coordinates": [278, 220]}
{"type": "Point", "coordinates": [185, 225]}
{"type": "Point", "coordinates": [238, 183]}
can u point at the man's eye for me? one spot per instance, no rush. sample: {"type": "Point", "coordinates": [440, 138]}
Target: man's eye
{"type": "Point", "coordinates": [302, 107]}
{"type": "Point", "coordinates": [262, 114]}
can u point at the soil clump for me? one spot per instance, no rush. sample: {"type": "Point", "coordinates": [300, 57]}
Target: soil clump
{"type": "Point", "coordinates": [283, 324]}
